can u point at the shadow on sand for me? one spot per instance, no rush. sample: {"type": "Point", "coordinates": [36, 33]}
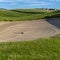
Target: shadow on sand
{"type": "Point", "coordinates": [54, 21]}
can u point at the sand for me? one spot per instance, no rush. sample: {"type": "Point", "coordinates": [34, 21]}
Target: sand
{"type": "Point", "coordinates": [11, 31]}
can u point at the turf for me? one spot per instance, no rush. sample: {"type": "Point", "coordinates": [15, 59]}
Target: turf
{"type": "Point", "coordinates": [40, 49]}
{"type": "Point", "coordinates": [27, 14]}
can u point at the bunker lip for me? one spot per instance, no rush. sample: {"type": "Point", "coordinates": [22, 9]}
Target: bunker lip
{"type": "Point", "coordinates": [29, 30]}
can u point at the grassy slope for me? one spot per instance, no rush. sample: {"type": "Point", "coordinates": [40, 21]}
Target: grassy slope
{"type": "Point", "coordinates": [40, 49]}
{"type": "Point", "coordinates": [25, 14]}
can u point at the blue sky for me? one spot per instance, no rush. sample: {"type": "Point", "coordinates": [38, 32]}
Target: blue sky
{"type": "Point", "coordinates": [13, 4]}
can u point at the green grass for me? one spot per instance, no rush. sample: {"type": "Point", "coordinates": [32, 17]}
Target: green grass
{"type": "Point", "coordinates": [40, 49]}
{"type": "Point", "coordinates": [27, 14]}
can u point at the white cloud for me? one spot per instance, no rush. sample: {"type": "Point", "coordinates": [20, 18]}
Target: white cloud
{"type": "Point", "coordinates": [8, 0]}
{"type": "Point", "coordinates": [55, 0]}
{"type": "Point", "coordinates": [29, 2]}
{"type": "Point", "coordinates": [39, 3]}
{"type": "Point", "coordinates": [19, 1]}
{"type": "Point", "coordinates": [24, 1]}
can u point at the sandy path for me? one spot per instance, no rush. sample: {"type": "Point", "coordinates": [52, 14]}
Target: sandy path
{"type": "Point", "coordinates": [11, 31]}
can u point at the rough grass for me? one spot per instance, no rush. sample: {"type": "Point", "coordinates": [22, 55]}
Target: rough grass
{"type": "Point", "coordinates": [26, 14]}
{"type": "Point", "coordinates": [40, 49]}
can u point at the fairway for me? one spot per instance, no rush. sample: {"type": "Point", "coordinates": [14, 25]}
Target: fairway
{"type": "Point", "coordinates": [27, 14]}
{"type": "Point", "coordinates": [12, 31]}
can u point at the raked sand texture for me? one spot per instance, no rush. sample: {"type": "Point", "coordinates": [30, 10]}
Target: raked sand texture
{"type": "Point", "coordinates": [11, 31]}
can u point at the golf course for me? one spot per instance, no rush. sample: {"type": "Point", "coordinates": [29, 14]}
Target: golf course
{"type": "Point", "coordinates": [29, 34]}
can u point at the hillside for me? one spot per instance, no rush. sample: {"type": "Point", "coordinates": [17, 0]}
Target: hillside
{"type": "Point", "coordinates": [26, 14]}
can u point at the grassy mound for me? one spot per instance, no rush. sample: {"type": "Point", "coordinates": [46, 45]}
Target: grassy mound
{"type": "Point", "coordinates": [40, 49]}
{"type": "Point", "coordinates": [27, 14]}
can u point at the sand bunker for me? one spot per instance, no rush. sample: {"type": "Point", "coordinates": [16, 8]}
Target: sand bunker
{"type": "Point", "coordinates": [29, 30]}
